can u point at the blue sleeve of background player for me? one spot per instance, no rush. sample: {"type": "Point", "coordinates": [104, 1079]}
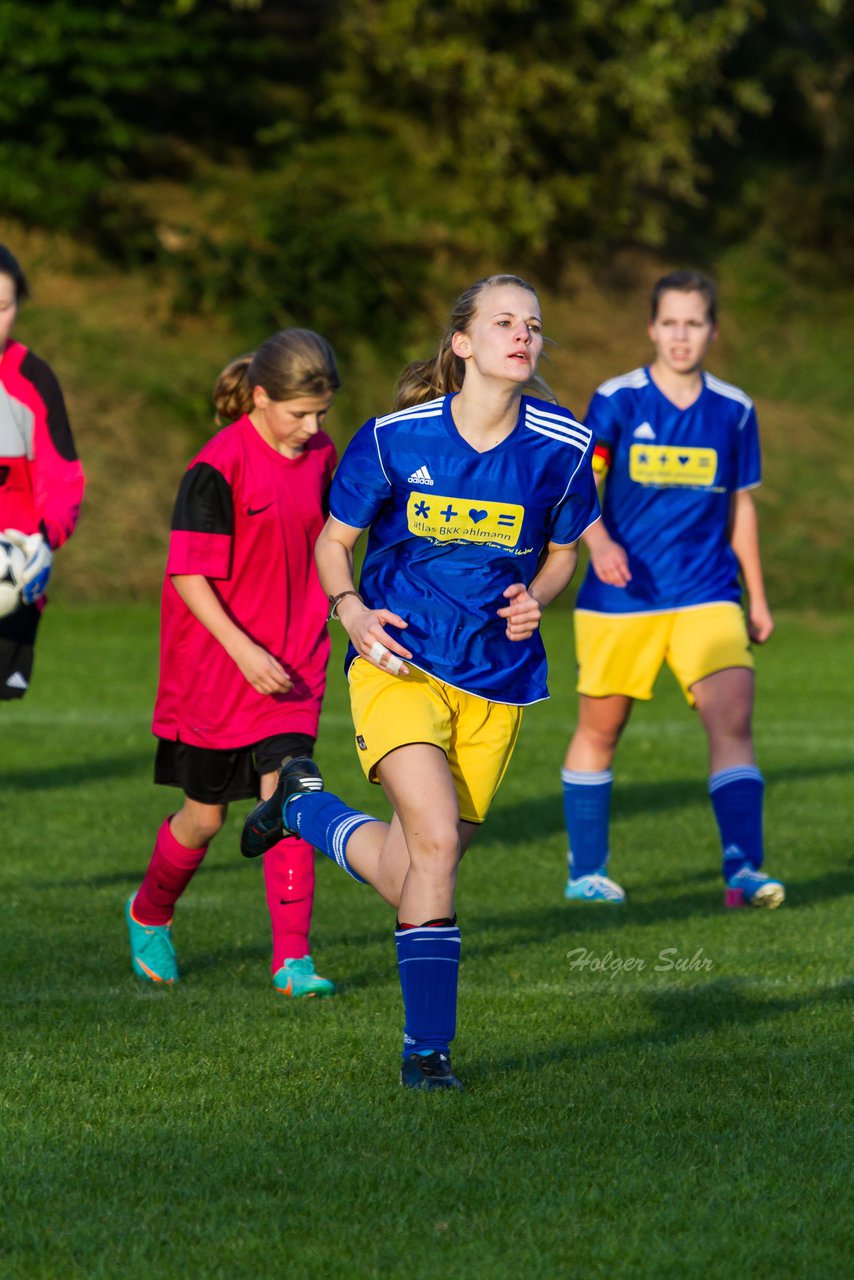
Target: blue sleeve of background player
{"type": "Point", "coordinates": [749, 459]}
{"type": "Point", "coordinates": [603, 418]}
{"type": "Point", "coordinates": [361, 486]}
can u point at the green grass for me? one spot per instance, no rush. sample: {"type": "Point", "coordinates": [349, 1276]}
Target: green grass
{"type": "Point", "coordinates": [649, 1122]}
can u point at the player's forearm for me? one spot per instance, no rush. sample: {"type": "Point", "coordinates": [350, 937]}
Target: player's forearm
{"type": "Point", "coordinates": [204, 604]}
{"type": "Point", "coordinates": [334, 567]}
{"type": "Point", "coordinates": [333, 555]}
{"type": "Point", "coordinates": [744, 540]}
{"type": "Point", "coordinates": [554, 575]}
{"type": "Point", "coordinates": [596, 537]}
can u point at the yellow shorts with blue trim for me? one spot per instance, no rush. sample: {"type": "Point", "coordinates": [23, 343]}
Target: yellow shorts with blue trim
{"type": "Point", "coordinates": [477, 736]}
{"type": "Point", "coordinates": [623, 653]}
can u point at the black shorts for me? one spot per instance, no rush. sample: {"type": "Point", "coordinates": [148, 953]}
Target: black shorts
{"type": "Point", "coordinates": [217, 777]}
{"type": "Point", "coordinates": [17, 641]}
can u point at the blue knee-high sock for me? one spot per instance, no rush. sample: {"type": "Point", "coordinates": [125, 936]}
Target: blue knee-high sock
{"type": "Point", "coordinates": [327, 823]}
{"type": "Point", "coordinates": [737, 795]}
{"type": "Point", "coordinates": [428, 958]}
{"type": "Point", "coordinates": [587, 811]}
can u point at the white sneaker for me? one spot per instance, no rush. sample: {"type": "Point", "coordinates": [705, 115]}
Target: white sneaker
{"type": "Point", "coordinates": [596, 887]}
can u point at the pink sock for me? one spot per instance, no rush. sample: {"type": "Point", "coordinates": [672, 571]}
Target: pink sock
{"type": "Point", "coordinates": [170, 870]}
{"type": "Point", "coordinates": [289, 880]}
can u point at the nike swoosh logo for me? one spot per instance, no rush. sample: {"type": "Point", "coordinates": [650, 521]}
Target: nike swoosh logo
{"type": "Point", "coordinates": [256, 511]}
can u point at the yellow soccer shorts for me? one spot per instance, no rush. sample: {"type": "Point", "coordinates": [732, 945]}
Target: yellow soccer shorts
{"type": "Point", "coordinates": [623, 653]}
{"type": "Point", "coordinates": [477, 736]}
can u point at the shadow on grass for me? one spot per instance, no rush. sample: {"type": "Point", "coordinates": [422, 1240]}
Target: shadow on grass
{"type": "Point", "coordinates": [127, 878]}
{"type": "Point", "coordinates": [677, 1016]}
{"type": "Point", "coordinates": [523, 928]}
{"type": "Point", "coordinates": [348, 977]}
{"type": "Point", "coordinates": [132, 877]}
{"type": "Point", "coordinates": [806, 893]}
{"type": "Point", "coordinates": [799, 893]}
{"type": "Point", "coordinates": [223, 958]}
{"type": "Point", "coordinates": [76, 773]}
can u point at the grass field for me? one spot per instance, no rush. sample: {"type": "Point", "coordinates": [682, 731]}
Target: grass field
{"type": "Point", "coordinates": [683, 1116]}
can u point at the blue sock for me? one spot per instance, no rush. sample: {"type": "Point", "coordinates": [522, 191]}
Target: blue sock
{"type": "Point", "coordinates": [737, 796]}
{"type": "Point", "coordinates": [587, 811]}
{"type": "Point", "coordinates": [327, 823]}
{"type": "Point", "coordinates": [428, 958]}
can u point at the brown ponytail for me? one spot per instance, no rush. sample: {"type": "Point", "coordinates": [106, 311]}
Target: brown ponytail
{"type": "Point", "coordinates": [293, 363]}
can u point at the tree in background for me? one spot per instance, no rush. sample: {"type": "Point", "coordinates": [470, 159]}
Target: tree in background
{"type": "Point", "coordinates": [327, 160]}
{"type": "Point", "coordinates": [98, 100]}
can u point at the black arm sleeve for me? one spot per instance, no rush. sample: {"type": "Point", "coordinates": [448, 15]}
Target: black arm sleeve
{"type": "Point", "coordinates": [40, 374]}
{"type": "Point", "coordinates": [204, 502]}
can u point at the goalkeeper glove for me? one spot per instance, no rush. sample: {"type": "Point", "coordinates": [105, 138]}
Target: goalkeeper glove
{"type": "Point", "coordinates": [38, 564]}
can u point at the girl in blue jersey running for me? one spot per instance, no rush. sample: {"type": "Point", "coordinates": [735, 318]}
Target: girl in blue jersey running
{"type": "Point", "coordinates": [680, 450]}
{"type": "Point", "coordinates": [475, 494]}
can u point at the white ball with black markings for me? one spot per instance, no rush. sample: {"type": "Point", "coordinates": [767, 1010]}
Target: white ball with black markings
{"type": "Point", "coordinates": [12, 561]}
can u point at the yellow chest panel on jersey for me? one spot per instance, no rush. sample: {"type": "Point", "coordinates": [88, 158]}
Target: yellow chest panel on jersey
{"type": "Point", "coordinates": [667, 464]}
{"type": "Point", "coordinates": [429, 515]}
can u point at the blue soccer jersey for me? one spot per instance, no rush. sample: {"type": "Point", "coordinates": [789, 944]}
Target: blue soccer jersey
{"type": "Point", "coordinates": [671, 473]}
{"type": "Point", "coordinates": [451, 529]}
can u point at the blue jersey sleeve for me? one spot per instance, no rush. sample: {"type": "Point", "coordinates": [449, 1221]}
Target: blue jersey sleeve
{"type": "Point", "coordinates": [749, 463]}
{"type": "Point", "coordinates": [361, 486]}
{"type": "Point", "coordinates": [603, 418]}
{"type": "Point", "coordinates": [579, 507]}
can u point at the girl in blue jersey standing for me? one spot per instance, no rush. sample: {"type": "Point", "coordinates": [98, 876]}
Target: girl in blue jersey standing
{"type": "Point", "coordinates": [475, 494]}
{"type": "Point", "coordinates": [678, 537]}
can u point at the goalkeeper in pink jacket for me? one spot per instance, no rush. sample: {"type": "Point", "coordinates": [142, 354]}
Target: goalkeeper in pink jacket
{"type": "Point", "coordinates": [41, 479]}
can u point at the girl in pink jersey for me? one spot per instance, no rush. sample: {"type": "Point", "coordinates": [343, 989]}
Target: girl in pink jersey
{"type": "Point", "coordinates": [41, 479]}
{"type": "Point", "coordinates": [243, 645]}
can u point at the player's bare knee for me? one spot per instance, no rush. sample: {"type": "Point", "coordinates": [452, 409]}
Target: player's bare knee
{"type": "Point", "coordinates": [196, 825]}
{"type": "Point", "coordinates": [600, 740]}
{"type": "Point", "coordinates": [436, 854]}
{"type": "Point", "coordinates": [210, 830]}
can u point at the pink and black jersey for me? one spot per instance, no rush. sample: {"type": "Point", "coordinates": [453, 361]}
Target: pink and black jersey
{"type": "Point", "coordinates": [41, 479]}
{"type": "Point", "coordinates": [247, 519]}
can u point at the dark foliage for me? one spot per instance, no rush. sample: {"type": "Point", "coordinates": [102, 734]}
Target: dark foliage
{"type": "Point", "coordinates": [323, 160]}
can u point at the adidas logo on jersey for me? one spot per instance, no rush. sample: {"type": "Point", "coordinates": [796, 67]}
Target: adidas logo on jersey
{"type": "Point", "coordinates": [17, 680]}
{"type": "Point", "coordinates": [644, 432]}
{"type": "Point", "coordinates": [421, 476]}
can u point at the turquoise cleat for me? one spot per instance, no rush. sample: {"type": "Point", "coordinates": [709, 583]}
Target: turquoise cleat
{"type": "Point", "coordinates": [151, 951]}
{"type": "Point", "coordinates": [297, 980]}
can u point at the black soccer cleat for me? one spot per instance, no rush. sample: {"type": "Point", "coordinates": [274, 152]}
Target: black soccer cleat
{"type": "Point", "coordinates": [428, 1071]}
{"type": "Point", "coordinates": [265, 825]}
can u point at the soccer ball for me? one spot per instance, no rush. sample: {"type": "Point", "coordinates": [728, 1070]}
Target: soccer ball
{"type": "Point", "coordinates": [12, 561]}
